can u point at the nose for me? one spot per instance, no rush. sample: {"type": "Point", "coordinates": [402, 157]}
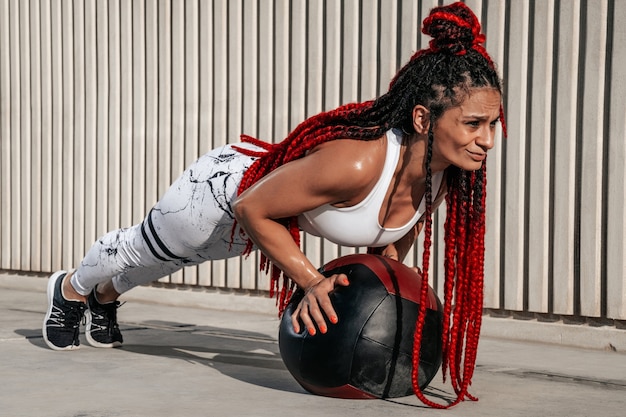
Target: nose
{"type": "Point", "coordinates": [486, 138]}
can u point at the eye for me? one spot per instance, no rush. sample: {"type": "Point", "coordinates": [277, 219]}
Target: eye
{"type": "Point", "coordinates": [473, 123]}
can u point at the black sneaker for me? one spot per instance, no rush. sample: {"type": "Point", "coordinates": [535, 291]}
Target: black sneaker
{"type": "Point", "coordinates": [102, 329]}
{"type": "Point", "coordinates": [61, 324]}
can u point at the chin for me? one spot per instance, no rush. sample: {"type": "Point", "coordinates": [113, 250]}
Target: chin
{"type": "Point", "coordinates": [469, 166]}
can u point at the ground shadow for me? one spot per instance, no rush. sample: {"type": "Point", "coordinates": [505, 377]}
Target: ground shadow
{"type": "Point", "coordinates": [247, 356]}
{"type": "Point", "coordinates": [250, 357]}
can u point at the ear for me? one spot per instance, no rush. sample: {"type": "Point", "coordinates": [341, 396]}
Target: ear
{"type": "Point", "coordinates": [421, 119]}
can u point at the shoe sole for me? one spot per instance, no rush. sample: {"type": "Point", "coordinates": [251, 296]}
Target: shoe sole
{"type": "Point", "coordinates": [51, 284]}
{"type": "Point", "coordinates": [93, 342]}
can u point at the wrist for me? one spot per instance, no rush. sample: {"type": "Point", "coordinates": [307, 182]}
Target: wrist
{"type": "Point", "coordinates": [312, 283]}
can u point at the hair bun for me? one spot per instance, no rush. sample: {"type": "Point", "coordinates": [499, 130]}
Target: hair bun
{"type": "Point", "coordinates": [454, 28]}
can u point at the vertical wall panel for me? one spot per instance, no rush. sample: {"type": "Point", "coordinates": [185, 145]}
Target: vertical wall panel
{"type": "Point", "coordinates": [114, 113]}
{"type": "Point", "coordinates": [350, 76]}
{"type": "Point", "coordinates": [127, 180]}
{"type": "Point", "coordinates": [220, 101]}
{"type": "Point", "coordinates": [139, 139]}
{"type": "Point", "coordinates": [425, 7]}
{"type": "Point", "coordinates": [564, 161]}
{"type": "Point", "coordinates": [350, 69]}
{"type": "Point", "coordinates": [205, 123]}
{"type": "Point", "coordinates": [409, 31]}
{"type": "Point", "coordinates": [369, 63]}
{"type": "Point", "coordinates": [517, 107]}
{"type": "Point", "coordinates": [538, 179]}
{"type": "Point", "coordinates": [164, 116]}
{"type": "Point", "coordinates": [46, 139]}
{"type": "Point", "coordinates": [68, 117]}
{"type": "Point", "coordinates": [387, 41]}
{"type": "Point", "coordinates": [57, 244]}
{"type": "Point", "coordinates": [79, 131]}
{"type": "Point", "coordinates": [32, 160]}
{"type": "Point", "coordinates": [104, 103]}
{"type": "Point", "coordinates": [616, 192]}
{"type": "Point", "coordinates": [5, 131]}
{"type": "Point", "coordinates": [331, 78]}
{"type": "Point", "coordinates": [91, 182]}
{"type": "Point", "coordinates": [312, 87]}
{"type": "Point", "coordinates": [17, 107]}
{"type": "Point", "coordinates": [102, 122]}
{"type": "Point", "coordinates": [191, 98]}
{"type": "Point", "coordinates": [176, 140]}
{"type": "Point", "coordinates": [250, 58]}
{"type": "Point", "coordinates": [266, 110]}
{"type": "Point", "coordinates": [591, 138]}
{"type": "Point", "coordinates": [235, 111]}
{"type": "Point", "coordinates": [35, 158]}
{"type": "Point", "coordinates": [494, 246]}
{"type": "Point", "coordinates": [151, 85]}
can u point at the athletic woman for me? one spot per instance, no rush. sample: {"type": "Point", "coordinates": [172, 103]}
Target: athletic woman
{"type": "Point", "coordinates": [365, 175]}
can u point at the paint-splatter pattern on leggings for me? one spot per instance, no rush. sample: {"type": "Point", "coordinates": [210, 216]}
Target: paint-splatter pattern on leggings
{"type": "Point", "coordinates": [192, 223]}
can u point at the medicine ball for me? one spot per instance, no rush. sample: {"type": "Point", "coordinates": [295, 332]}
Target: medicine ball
{"type": "Point", "coordinates": [368, 353]}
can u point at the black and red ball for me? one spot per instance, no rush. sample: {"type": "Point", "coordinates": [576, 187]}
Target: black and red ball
{"type": "Point", "coordinates": [368, 353]}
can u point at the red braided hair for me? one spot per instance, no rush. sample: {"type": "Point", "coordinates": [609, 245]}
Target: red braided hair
{"type": "Point", "coordinates": [456, 30]}
{"type": "Point", "coordinates": [455, 58]}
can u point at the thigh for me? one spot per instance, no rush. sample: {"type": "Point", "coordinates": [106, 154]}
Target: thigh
{"type": "Point", "coordinates": [195, 217]}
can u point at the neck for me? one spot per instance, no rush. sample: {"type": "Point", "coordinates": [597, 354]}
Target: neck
{"type": "Point", "coordinates": [415, 157]}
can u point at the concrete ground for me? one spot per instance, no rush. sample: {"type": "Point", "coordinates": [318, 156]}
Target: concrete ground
{"type": "Point", "coordinates": [181, 358]}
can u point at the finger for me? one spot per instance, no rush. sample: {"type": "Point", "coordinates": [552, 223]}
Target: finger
{"type": "Point", "coordinates": [329, 311]}
{"type": "Point", "coordinates": [316, 314]}
{"type": "Point", "coordinates": [295, 320]}
{"type": "Point", "coordinates": [390, 253]}
{"type": "Point", "coordinates": [306, 319]}
{"type": "Point", "coordinates": [342, 279]}
{"type": "Point", "coordinates": [337, 279]}
{"type": "Point", "coordinates": [417, 270]}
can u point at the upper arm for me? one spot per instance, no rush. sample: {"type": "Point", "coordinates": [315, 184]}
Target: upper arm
{"type": "Point", "coordinates": [333, 174]}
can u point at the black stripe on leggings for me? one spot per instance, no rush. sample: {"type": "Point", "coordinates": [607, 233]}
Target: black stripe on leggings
{"type": "Point", "coordinates": [159, 242]}
{"type": "Point", "coordinates": [147, 239]}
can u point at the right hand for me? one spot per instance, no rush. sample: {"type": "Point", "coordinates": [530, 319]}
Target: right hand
{"type": "Point", "coordinates": [316, 301]}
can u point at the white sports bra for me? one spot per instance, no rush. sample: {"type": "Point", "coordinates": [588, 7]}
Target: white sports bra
{"type": "Point", "coordinates": [358, 225]}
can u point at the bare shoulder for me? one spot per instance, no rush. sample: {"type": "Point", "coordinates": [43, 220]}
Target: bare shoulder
{"type": "Point", "coordinates": [361, 159]}
{"type": "Point", "coordinates": [341, 172]}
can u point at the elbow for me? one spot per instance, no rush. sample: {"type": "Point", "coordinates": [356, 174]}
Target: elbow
{"type": "Point", "coordinates": [240, 208]}
{"type": "Point", "coordinates": [245, 211]}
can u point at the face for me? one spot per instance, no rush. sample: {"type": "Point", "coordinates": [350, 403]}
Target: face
{"type": "Point", "coordinates": [463, 134]}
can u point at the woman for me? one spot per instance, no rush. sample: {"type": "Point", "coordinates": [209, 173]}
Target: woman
{"type": "Point", "coordinates": [428, 136]}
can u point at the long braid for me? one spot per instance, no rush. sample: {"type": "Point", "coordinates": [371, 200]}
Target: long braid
{"type": "Point", "coordinates": [457, 330]}
{"type": "Point", "coordinates": [464, 243]}
{"type": "Point", "coordinates": [421, 317]}
{"type": "Point", "coordinates": [438, 77]}
{"type": "Point", "coordinates": [477, 266]}
{"type": "Point", "coordinates": [450, 267]}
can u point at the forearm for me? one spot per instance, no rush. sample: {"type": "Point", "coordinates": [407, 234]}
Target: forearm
{"type": "Point", "coordinates": [275, 241]}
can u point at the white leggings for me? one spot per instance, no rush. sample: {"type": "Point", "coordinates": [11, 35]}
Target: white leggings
{"type": "Point", "coordinates": [192, 223]}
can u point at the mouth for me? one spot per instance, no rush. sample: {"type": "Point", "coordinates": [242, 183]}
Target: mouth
{"type": "Point", "coordinates": [477, 156]}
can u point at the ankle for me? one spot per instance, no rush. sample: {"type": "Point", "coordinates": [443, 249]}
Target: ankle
{"type": "Point", "coordinates": [68, 291]}
{"type": "Point", "coordinates": [102, 298]}
{"type": "Point", "coordinates": [106, 294]}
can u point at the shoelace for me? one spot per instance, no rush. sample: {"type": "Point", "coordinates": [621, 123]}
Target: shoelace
{"type": "Point", "coordinates": [110, 315]}
{"type": "Point", "coordinates": [70, 318]}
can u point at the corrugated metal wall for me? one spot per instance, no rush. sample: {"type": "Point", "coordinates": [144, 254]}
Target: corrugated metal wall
{"type": "Point", "coordinates": [103, 103]}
